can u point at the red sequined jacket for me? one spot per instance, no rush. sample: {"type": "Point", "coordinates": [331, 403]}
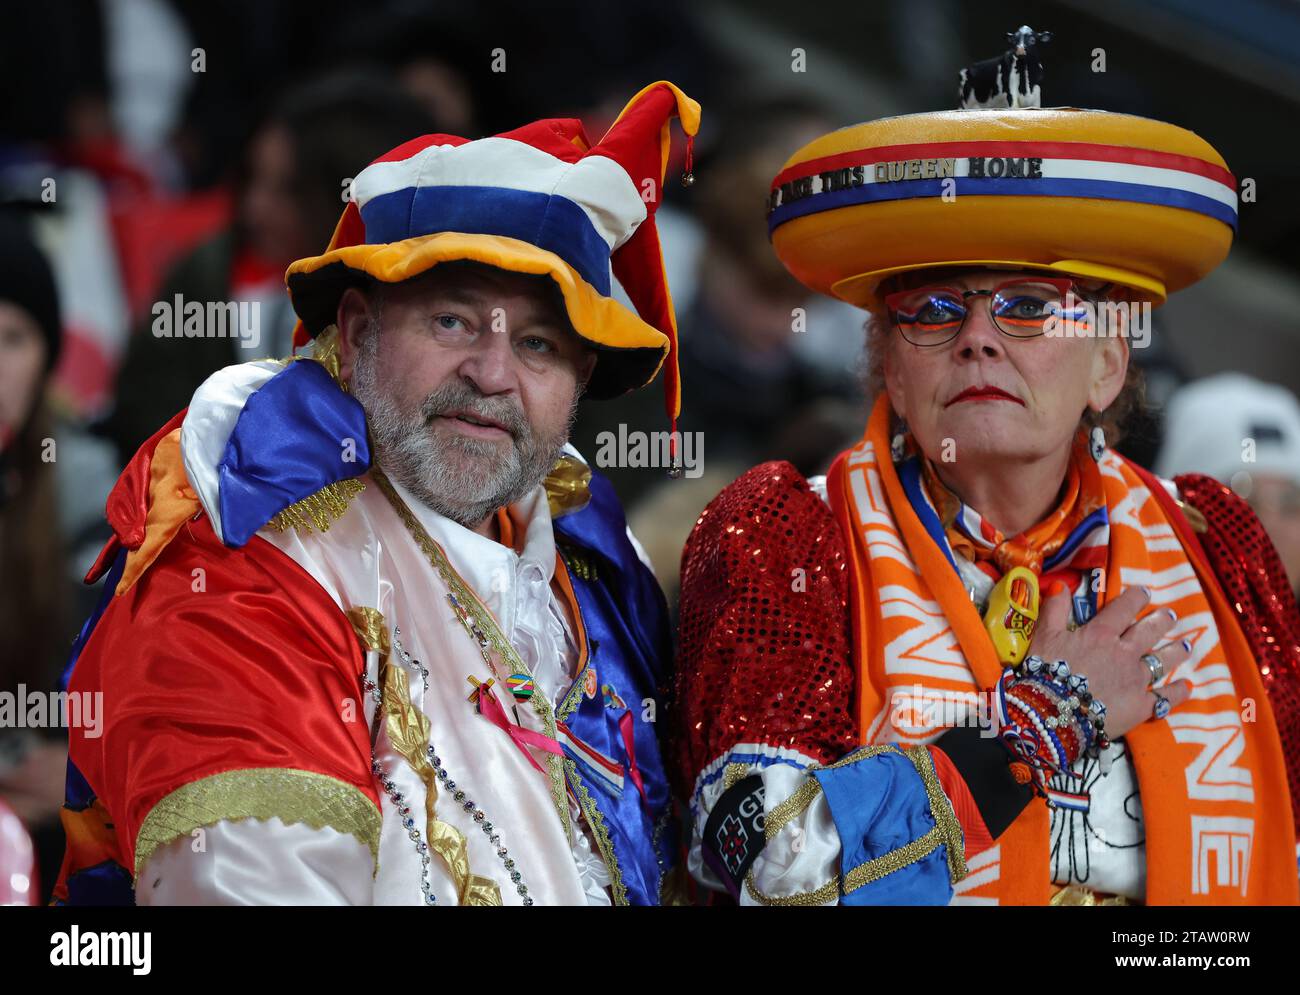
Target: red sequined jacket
{"type": "Point", "coordinates": [761, 672]}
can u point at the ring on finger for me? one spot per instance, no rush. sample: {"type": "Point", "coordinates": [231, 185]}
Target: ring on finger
{"type": "Point", "coordinates": [1155, 665]}
{"type": "Point", "coordinates": [1161, 708]}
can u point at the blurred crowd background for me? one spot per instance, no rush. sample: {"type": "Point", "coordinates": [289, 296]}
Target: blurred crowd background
{"type": "Point", "coordinates": [150, 148]}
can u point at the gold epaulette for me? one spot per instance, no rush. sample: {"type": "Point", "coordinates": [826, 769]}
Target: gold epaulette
{"type": "Point", "coordinates": [317, 512]}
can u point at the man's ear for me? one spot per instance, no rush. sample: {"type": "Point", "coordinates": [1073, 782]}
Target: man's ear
{"type": "Point", "coordinates": [353, 319]}
{"type": "Point", "coordinates": [587, 366]}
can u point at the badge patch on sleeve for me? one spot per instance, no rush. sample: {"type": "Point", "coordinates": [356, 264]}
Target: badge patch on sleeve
{"type": "Point", "coordinates": [733, 834]}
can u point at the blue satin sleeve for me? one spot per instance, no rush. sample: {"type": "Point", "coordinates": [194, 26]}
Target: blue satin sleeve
{"type": "Point", "coordinates": [297, 434]}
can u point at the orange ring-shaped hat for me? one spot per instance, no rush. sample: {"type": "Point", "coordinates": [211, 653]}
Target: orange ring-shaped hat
{"type": "Point", "coordinates": [1137, 202]}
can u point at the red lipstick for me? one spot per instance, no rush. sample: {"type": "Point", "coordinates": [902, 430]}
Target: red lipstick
{"type": "Point", "coordinates": [984, 393]}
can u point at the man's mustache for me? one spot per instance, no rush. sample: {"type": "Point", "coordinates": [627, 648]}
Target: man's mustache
{"type": "Point", "coordinates": [462, 398]}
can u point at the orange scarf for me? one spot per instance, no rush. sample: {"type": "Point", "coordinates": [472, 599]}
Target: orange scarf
{"type": "Point", "coordinates": [1214, 790]}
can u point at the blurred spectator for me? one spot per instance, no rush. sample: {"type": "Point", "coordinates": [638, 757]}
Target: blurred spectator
{"type": "Point", "coordinates": [1246, 434]}
{"type": "Point", "coordinates": [57, 152]}
{"type": "Point", "coordinates": [441, 57]}
{"type": "Point", "coordinates": [18, 885]}
{"type": "Point", "coordinates": [30, 341]}
{"type": "Point", "coordinates": [746, 387]}
{"type": "Point", "coordinates": [290, 198]}
{"type": "Point", "coordinates": [35, 607]}
{"type": "Point", "coordinates": [1163, 374]}
{"type": "Point", "coordinates": [756, 396]}
{"type": "Point", "coordinates": [56, 51]}
{"type": "Point", "coordinates": [150, 63]}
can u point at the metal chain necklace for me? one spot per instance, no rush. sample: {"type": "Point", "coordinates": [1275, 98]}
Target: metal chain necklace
{"type": "Point", "coordinates": [483, 629]}
{"type": "Point", "coordinates": [399, 801]}
{"type": "Point", "coordinates": [458, 794]}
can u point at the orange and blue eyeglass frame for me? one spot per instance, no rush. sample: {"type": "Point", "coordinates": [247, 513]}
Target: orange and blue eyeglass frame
{"type": "Point", "coordinates": [906, 308]}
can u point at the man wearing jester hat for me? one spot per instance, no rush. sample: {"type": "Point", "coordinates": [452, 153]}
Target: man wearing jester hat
{"type": "Point", "coordinates": [987, 659]}
{"type": "Point", "coordinates": [360, 606]}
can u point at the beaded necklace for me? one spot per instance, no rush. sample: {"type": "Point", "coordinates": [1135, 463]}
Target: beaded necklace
{"type": "Point", "coordinates": [459, 795]}
{"type": "Point", "coordinates": [493, 645]}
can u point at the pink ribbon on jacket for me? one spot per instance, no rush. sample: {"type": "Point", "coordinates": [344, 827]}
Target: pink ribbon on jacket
{"type": "Point", "coordinates": [491, 709]}
{"type": "Point", "coordinates": [629, 744]}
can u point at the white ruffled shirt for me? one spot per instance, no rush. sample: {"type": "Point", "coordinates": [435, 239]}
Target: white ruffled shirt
{"type": "Point", "coordinates": [368, 558]}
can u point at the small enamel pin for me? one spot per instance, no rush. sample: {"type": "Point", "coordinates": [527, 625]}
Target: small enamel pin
{"type": "Point", "coordinates": [521, 686]}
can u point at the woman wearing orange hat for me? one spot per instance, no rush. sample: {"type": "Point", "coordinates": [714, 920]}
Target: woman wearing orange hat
{"type": "Point", "coordinates": [987, 659]}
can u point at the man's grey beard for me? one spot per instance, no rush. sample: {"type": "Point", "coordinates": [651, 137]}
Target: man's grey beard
{"type": "Point", "coordinates": [459, 477]}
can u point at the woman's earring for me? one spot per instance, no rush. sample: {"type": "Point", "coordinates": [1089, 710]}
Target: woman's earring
{"type": "Point", "coordinates": [898, 447]}
{"type": "Point", "coordinates": [1097, 442]}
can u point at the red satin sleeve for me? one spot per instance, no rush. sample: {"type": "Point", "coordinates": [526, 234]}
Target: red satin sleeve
{"type": "Point", "coordinates": [215, 660]}
{"type": "Point", "coordinates": [765, 653]}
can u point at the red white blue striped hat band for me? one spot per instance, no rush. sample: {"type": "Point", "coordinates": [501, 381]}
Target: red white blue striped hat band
{"type": "Point", "coordinates": [581, 211]}
{"type": "Point", "coordinates": [1138, 202]}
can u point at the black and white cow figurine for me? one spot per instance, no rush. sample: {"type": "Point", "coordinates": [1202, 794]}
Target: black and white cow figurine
{"type": "Point", "coordinates": [1013, 80]}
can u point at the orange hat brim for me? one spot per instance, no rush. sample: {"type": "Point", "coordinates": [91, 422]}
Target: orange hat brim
{"type": "Point", "coordinates": [630, 351]}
